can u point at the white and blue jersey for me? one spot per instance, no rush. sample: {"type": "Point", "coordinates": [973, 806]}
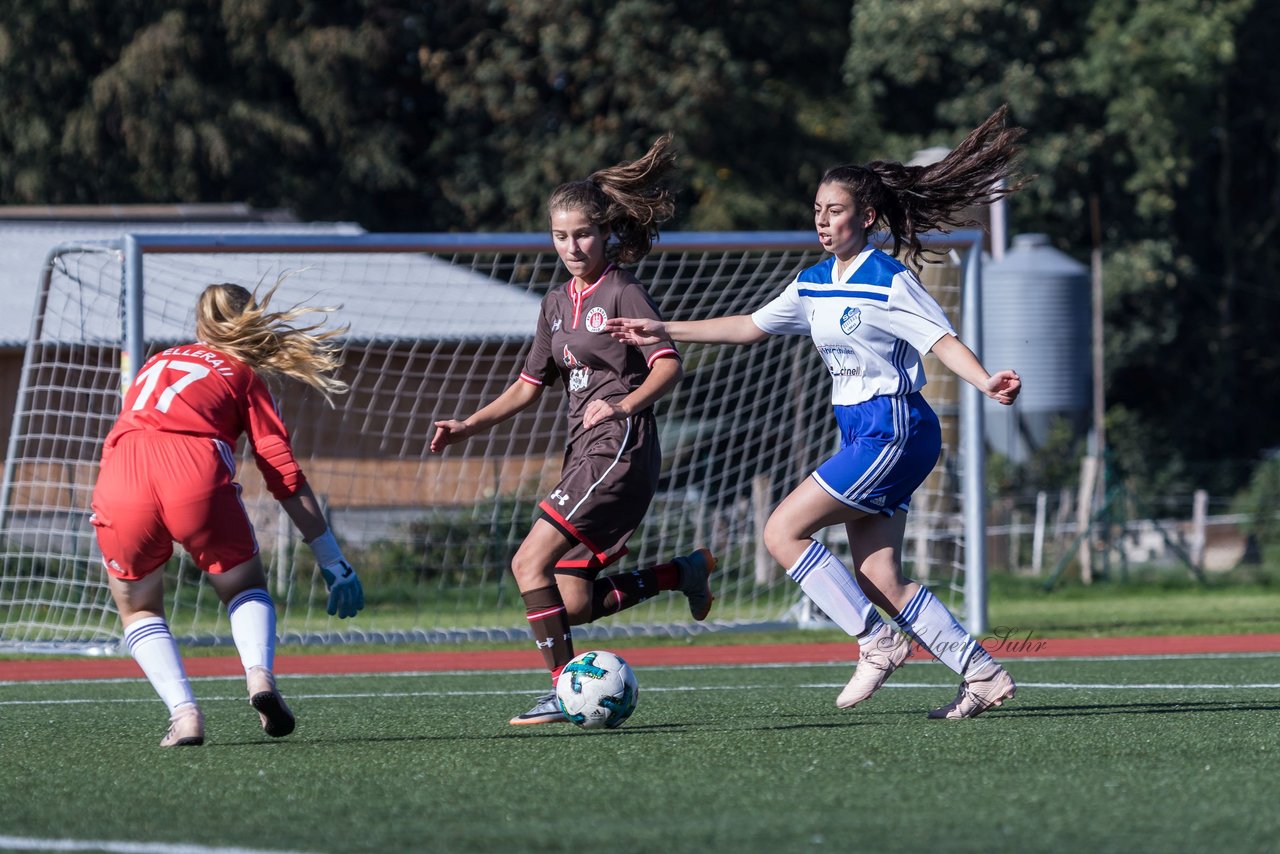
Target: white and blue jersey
{"type": "Point", "coordinates": [870, 325]}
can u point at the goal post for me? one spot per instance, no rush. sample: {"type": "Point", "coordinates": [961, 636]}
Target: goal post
{"type": "Point", "coordinates": [439, 325]}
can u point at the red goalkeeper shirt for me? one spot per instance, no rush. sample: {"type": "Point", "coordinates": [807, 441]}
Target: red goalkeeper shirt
{"type": "Point", "coordinates": [198, 391]}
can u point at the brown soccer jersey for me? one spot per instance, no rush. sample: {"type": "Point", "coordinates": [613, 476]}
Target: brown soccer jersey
{"type": "Point", "coordinates": [571, 343]}
{"type": "Point", "coordinates": [610, 471]}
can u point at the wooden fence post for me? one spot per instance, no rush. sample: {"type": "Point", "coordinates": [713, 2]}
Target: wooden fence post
{"type": "Point", "coordinates": [766, 566]}
{"type": "Point", "coordinates": [1199, 513]}
{"type": "Point", "coordinates": [1037, 536]}
{"type": "Point", "coordinates": [1084, 511]}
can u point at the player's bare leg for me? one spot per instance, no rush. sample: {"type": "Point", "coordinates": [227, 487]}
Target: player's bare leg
{"type": "Point", "coordinates": [877, 550]}
{"type": "Point", "coordinates": [252, 615]}
{"type": "Point", "coordinates": [146, 633]}
{"type": "Point", "coordinates": [829, 583]}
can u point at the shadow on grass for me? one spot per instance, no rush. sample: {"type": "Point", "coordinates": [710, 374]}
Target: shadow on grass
{"type": "Point", "coordinates": [1182, 708]}
{"type": "Point", "coordinates": [862, 719]}
{"type": "Point", "coordinates": [666, 729]}
{"type": "Point", "coordinates": [549, 731]}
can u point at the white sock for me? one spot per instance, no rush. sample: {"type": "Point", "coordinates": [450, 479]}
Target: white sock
{"type": "Point", "coordinates": [934, 627]}
{"type": "Point", "coordinates": [825, 580]}
{"type": "Point", "coordinates": [152, 645]}
{"type": "Point", "coordinates": [253, 627]}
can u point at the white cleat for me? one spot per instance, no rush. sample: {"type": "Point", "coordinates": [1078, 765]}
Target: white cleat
{"type": "Point", "coordinates": [186, 727]}
{"type": "Point", "coordinates": [277, 720]}
{"type": "Point", "coordinates": [877, 659]}
{"type": "Point", "coordinates": [978, 695]}
{"type": "Point", "coordinates": [545, 711]}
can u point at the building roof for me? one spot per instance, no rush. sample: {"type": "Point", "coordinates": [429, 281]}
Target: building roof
{"type": "Point", "coordinates": [389, 304]}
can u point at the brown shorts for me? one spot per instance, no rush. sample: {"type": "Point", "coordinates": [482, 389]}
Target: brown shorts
{"type": "Point", "coordinates": [157, 487]}
{"type": "Point", "coordinates": [610, 475]}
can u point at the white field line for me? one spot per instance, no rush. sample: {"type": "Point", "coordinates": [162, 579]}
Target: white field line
{"type": "Point", "coordinates": [388, 695]}
{"type": "Point", "coordinates": [292, 677]}
{"type": "Point", "coordinates": [26, 843]}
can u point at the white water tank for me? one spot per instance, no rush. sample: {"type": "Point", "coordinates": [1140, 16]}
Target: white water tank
{"type": "Point", "coordinates": [1035, 319]}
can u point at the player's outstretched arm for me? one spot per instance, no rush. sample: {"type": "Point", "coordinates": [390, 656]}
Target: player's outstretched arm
{"type": "Point", "coordinates": [346, 594]}
{"type": "Point", "coordinates": [738, 329]}
{"type": "Point", "coordinates": [1002, 386]}
{"type": "Point", "coordinates": [305, 512]}
{"type": "Point", "coordinates": [518, 396]}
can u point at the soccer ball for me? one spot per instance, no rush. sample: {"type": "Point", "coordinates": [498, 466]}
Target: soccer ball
{"type": "Point", "coordinates": [597, 690]}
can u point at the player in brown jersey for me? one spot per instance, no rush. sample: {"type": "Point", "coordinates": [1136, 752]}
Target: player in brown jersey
{"type": "Point", "coordinates": [613, 459]}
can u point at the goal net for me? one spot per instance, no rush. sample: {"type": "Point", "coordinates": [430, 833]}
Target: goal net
{"type": "Point", "coordinates": [439, 325]}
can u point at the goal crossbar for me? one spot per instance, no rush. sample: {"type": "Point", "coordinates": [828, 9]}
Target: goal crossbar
{"type": "Point", "coordinates": [104, 306]}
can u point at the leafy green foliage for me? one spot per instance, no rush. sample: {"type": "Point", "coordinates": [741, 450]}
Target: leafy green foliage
{"type": "Point", "coordinates": [445, 545]}
{"type": "Point", "coordinates": [1054, 465]}
{"type": "Point", "coordinates": [1260, 501]}
{"type": "Point", "coordinates": [1132, 107]}
{"type": "Point", "coordinates": [299, 104]}
{"type": "Point", "coordinates": [463, 115]}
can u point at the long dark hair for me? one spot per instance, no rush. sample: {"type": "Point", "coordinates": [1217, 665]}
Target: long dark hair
{"type": "Point", "coordinates": [912, 200]}
{"type": "Point", "coordinates": [628, 200]}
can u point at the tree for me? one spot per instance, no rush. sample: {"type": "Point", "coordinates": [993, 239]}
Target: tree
{"type": "Point", "coordinates": [536, 95]}
{"type": "Point", "coordinates": [1129, 103]}
{"type": "Point", "coordinates": [464, 115]}
{"type": "Point", "coordinates": [291, 103]}
{"type": "Point", "coordinates": [452, 116]}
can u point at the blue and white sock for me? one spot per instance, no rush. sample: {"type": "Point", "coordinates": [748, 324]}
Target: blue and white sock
{"type": "Point", "coordinates": [152, 645]}
{"type": "Point", "coordinates": [934, 627]}
{"type": "Point", "coordinates": [824, 579]}
{"type": "Point", "coordinates": [253, 627]}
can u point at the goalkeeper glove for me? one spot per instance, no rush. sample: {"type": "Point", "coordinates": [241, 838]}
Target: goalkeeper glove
{"type": "Point", "coordinates": [346, 596]}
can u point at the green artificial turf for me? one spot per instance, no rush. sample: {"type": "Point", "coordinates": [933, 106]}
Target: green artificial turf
{"type": "Point", "coordinates": [1016, 607]}
{"type": "Point", "coordinates": [1177, 605]}
{"type": "Point", "coordinates": [1108, 755]}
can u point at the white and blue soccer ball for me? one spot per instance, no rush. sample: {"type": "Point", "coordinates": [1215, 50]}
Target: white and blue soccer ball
{"type": "Point", "coordinates": [597, 690]}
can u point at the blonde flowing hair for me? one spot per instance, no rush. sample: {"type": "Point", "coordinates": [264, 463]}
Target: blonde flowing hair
{"type": "Point", "coordinates": [240, 324]}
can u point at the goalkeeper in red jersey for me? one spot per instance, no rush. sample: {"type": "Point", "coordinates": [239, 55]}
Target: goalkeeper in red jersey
{"type": "Point", "coordinates": [612, 463]}
{"type": "Point", "coordinates": [168, 473]}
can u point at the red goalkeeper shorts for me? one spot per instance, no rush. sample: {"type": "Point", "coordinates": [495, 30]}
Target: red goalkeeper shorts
{"type": "Point", "coordinates": [155, 488]}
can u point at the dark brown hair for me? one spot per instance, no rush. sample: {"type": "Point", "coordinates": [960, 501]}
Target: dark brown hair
{"type": "Point", "coordinates": [912, 200]}
{"type": "Point", "coordinates": [628, 201]}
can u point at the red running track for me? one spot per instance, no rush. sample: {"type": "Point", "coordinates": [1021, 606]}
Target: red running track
{"type": "Point", "coordinates": [1013, 646]}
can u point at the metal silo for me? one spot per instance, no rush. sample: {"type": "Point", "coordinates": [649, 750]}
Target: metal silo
{"type": "Point", "coordinates": [1035, 319]}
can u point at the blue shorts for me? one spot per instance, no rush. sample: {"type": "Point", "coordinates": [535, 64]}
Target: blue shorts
{"type": "Point", "coordinates": [888, 446]}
